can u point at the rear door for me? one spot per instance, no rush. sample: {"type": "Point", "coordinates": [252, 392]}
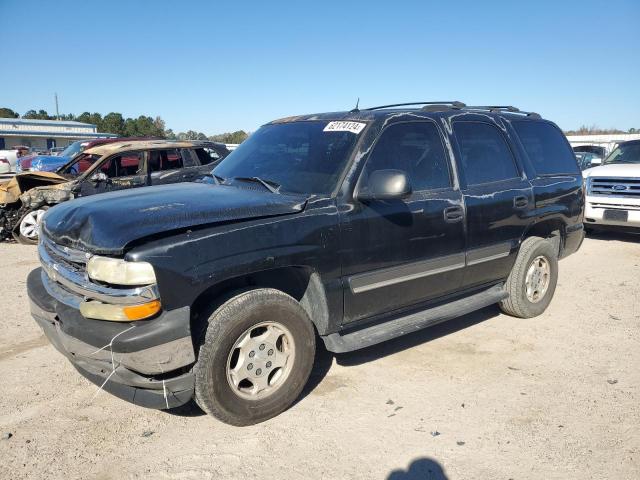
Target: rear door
{"type": "Point", "coordinates": [172, 165]}
{"type": "Point", "coordinates": [497, 196]}
{"type": "Point", "coordinates": [399, 253]}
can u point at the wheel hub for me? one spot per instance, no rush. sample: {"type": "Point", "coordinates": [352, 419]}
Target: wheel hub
{"type": "Point", "coordinates": [260, 360]}
{"type": "Point", "coordinates": [30, 224]}
{"type": "Point", "coordinates": [537, 279]}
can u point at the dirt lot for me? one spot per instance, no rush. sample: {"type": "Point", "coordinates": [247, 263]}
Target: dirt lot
{"type": "Point", "coordinates": [482, 397]}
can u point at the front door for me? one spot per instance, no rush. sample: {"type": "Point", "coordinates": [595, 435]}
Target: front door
{"type": "Point", "coordinates": [398, 253]}
{"type": "Point", "coordinates": [118, 172]}
{"type": "Point", "coordinates": [498, 199]}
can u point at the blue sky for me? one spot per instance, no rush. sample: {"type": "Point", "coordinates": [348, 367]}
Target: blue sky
{"type": "Point", "coordinates": [223, 66]}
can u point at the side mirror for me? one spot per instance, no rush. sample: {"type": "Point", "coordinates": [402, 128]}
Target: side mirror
{"type": "Point", "coordinates": [385, 185]}
{"type": "Point", "coordinates": [595, 161]}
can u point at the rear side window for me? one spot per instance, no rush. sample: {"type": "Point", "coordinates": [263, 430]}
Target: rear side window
{"type": "Point", "coordinates": [486, 156]}
{"type": "Point", "coordinates": [415, 148]}
{"type": "Point", "coordinates": [546, 148]}
{"type": "Point", "coordinates": [123, 165]}
{"type": "Point", "coordinates": [207, 155]}
{"type": "Point", "coordinates": [161, 160]}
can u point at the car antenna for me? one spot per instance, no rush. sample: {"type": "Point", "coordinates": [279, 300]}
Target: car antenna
{"type": "Point", "coordinates": [356, 109]}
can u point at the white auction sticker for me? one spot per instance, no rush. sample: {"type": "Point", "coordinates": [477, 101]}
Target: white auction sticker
{"type": "Point", "coordinates": [353, 127]}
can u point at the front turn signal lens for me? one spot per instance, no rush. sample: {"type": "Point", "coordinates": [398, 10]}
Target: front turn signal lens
{"type": "Point", "coordinates": [146, 310]}
{"type": "Point", "coordinates": [119, 313]}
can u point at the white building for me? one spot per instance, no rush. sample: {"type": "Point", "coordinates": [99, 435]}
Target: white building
{"type": "Point", "coordinates": [45, 134]}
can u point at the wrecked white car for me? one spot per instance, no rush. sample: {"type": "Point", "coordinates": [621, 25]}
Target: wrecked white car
{"type": "Point", "coordinates": [116, 166]}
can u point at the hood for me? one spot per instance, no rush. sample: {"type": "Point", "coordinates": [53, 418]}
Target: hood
{"type": "Point", "coordinates": [40, 161]}
{"type": "Point", "coordinates": [614, 170]}
{"type": "Point", "coordinates": [107, 223]}
{"type": "Point", "coordinates": [49, 158]}
{"type": "Point", "coordinates": [11, 191]}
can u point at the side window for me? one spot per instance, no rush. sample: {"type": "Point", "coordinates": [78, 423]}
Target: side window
{"type": "Point", "coordinates": [416, 148]}
{"type": "Point", "coordinates": [83, 162]}
{"type": "Point", "coordinates": [546, 148]}
{"type": "Point", "coordinates": [207, 155]}
{"type": "Point", "coordinates": [162, 160]}
{"type": "Point", "coordinates": [486, 157]}
{"type": "Point", "coordinates": [123, 165]}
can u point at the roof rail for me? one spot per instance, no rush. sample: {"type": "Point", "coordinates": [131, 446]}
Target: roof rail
{"type": "Point", "coordinates": [454, 104]}
{"type": "Point", "coordinates": [503, 108]}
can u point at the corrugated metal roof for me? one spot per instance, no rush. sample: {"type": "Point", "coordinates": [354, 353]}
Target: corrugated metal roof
{"type": "Point", "coordinates": [31, 121]}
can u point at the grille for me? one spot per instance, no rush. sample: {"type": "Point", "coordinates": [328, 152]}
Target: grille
{"type": "Point", "coordinates": [616, 187]}
{"type": "Point", "coordinates": [73, 260]}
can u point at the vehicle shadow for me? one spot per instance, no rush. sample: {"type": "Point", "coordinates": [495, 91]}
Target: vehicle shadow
{"type": "Point", "coordinates": [324, 358]}
{"type": "Point", "coordinates": [420, 469]}
{"type": "Point", "coordinates": [411, 340]}
{"type": "Point", "coordinates": [617, 235]}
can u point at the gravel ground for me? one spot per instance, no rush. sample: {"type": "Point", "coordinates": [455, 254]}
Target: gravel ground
{"type": "Point", "coordinates": [484, 396]}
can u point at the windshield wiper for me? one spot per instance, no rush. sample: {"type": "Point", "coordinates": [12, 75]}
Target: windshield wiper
{"type": "Point", "coordinates": [270, 185]}
{"type": "Point", "coordinates": [218, 179]}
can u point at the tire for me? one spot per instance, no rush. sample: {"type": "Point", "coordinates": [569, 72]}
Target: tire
{"type": "Point", "coordinates": [216, 391]}
{"type": "Point", "coordinates": [29, 224]}
{"type": "Point", "coordinates": [524, 304]}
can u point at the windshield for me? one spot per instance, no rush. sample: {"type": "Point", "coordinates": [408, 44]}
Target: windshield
{"type": "Point", "coordinates": [81, 164]}
{"type": "Point", "coordinates": [301, 157]}
{"type": "Point", "coordinates": [72, 150]}
{"type": "Point", "coordinates": [629, 153]}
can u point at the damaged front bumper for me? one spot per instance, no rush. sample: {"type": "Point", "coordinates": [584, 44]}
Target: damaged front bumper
{"type": "Point", "coordinates": [146, 363]}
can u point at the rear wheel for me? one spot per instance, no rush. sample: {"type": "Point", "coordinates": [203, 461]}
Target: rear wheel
{"type": "Point", "coordinates": [533, 279]}
{"type": "Point", "coordinates": [256, 357]}
{"type": "Point", "coordinates": [29, 226]}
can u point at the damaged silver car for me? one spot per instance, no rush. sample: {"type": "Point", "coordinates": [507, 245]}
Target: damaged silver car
{"type": "Point", "coordinates": [116, 166]}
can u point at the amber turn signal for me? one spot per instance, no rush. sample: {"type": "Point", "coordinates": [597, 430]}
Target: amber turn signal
{"type": "Point", "coordinates": [146, 310]}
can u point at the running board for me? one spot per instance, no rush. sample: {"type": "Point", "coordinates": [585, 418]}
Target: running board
{"type": "Point", "coordinates": [372, 335]}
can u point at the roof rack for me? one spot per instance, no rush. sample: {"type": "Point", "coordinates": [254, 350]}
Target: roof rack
{"type": "Point", "coordinates": [503, 108]}
{"type": "Point", "coordinates": [455, 104]}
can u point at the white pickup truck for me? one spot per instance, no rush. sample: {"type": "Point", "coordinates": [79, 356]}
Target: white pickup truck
{"type": "Point", "coordinates": [613, 189]}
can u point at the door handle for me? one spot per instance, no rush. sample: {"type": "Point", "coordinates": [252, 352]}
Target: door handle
{"type": "Point", "coordinates": [520, 202]}
{"type": "Point", "coordinates": [453, 214]}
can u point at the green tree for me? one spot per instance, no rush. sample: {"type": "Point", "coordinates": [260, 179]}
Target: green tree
{"type": "Point", "coordinates": [91, 118]}
{"type": "Point", "coordinates": [238, 136]}
{"type": "Point", "coordinates": [112, 123]}
{"type": "Point", "coordinates": [142, 126]}
{"type": "Point", "coordinates": [191, 135]}
{"type": "Point", "coordinates": [39, 115]}
{"type": "Point", "coordinates": [169, 135]}
{"type": "Point", "coordinates": [7, 113]}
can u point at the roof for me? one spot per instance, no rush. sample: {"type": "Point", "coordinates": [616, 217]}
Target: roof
{"type": "Point", "coordinates": [33, 121]}
{"type": "Point", "coordinates": [114, 147]}
{"type": "Point", "coordinates": [365, 115]}
{"type": "Point", "coordinates": [55, 134]}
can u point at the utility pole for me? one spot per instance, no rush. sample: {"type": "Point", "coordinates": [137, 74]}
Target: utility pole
{"type": "Point", "coordinates": [57, 112]}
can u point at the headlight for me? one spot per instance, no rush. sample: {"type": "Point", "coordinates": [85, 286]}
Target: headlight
{"type": "Point", "coordinates": [120, 272]}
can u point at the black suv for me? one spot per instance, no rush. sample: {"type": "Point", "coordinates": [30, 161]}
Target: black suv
{"type": "Point", "coordinates": [351, 227]}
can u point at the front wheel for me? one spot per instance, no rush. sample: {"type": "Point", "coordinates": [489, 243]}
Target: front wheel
{"type": "Point", "coordinates": [29, 226]}
{"type": "Point", "coordinates": [532, 281]}
{"type": "Point", "coordinates": [256, 357]}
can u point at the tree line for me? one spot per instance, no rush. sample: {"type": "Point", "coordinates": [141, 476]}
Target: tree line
{"type": "Point", "coordinates": [143, 126]}
{"type": "Point", "coordinates": [595, 130]}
